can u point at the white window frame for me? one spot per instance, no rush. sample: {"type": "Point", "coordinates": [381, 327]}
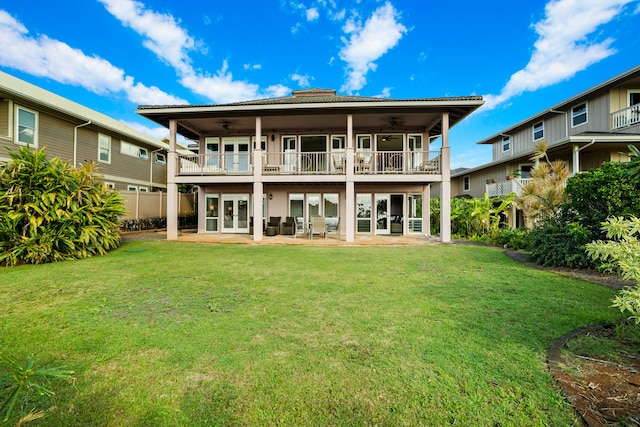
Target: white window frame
{"type": "Point", "coordinates": [574, 115]}
{"type": "Point", "coordinates": [629, 93]}
{"type": "Point", "coordinates": [16, 138]}
{"type": "Point", "coordinates": [102, 138]}
{"type": "Point", "coordinates": [466, 183]}
{"type": "Point", "coordinates": [110, 185]}
{"type": "Point", "coordinates": [132, 188]}
{"type": "Point", "coordinates": [133, 150]}
{"type": "Point", "coordinates": [539, 124]}
{"type": "Point", "coordinates": [143, 189]}
{"type": "Point", "coordinates": [506, 142]}
{"type": "Point", "coordinates": [161, 158]}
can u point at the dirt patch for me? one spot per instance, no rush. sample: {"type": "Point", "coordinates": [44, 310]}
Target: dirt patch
{"type": "Point", "coordinates": [604, 388]}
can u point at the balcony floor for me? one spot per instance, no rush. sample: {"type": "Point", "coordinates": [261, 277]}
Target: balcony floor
{"type": "Point", "coordinates": [331, 240]}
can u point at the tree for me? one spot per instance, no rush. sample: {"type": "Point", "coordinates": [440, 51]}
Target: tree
{"type": "Point", "coordinates": [541, 198]}
{"type": "Point", "coordinates": [51, 211]}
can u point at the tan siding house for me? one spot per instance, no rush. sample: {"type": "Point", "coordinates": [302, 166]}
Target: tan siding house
{"type": "Point", "coordinates": [355, 165]}
{"type": "Point", "coordinates": [32, 116]}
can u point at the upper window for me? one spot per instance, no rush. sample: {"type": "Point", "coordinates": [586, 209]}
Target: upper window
{"type": "Point", "coordinates": [538, 131]}
{"type": "Point", "coordinates": [27, 127]}
{"type": "Point", "coordinates": [104, 148]}
{"type": "Point", "coordinates": [466, 183]}
{"type": "Point", "coordinates": [579, 115]}
{"type": "Point", "coordinates": [506, 143]}
{"type": "Point", "coordinates": [133, 150]}
{"type": "Point", "coordinates": [161, 158]}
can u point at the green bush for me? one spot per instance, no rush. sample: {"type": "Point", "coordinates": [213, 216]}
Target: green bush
{"type": "Point", "coordinates": [51, 211]}
{"type": "Point", "coordinates": [557, 243]}
{"type": "Point", "coordinates": [510, 238]}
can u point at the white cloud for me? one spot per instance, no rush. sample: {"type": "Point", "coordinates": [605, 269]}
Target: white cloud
{"type": "Point", "coordinates": [386, 93]}
{"type": "Point", "coordinates": [58, 61]}
{"type": "Point", "coordinates": [563, 47]}
{"type": "Point", "coordinates": [252, 66]}
{"type": "Point", "coordinates": [368, 43]}
{"type": "Point", "coordinates": [312, 14]}
{"type": "Point", "coordinates": [164, 36]}
{"type": "Point", "coordinates": [302, 80]}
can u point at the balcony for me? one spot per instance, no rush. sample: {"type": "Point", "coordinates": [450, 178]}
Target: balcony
{"type": "Point", "coordinates": [503, 188]}
{"type": "Point", "coordinates": [312, 163]}
{"type": "Point", "coordinates": [624, 118]}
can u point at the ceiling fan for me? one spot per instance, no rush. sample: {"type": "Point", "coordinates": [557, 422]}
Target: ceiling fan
{"type": "Point", "coordinates": [394, 123]}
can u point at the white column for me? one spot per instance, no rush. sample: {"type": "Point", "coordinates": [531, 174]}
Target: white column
{"type": "Point", "coordinates": [202, 210]}
{"type": "Point", "coordinates": [172, 187]}
{"type": "Point", "coordinates": [258, 187]}
{"type": "Point", "coordinates": [350, 196]}
{"type": "Point", "coordinates": [576, 160]}
{"type": "Point", "coordinates": [445, 185]}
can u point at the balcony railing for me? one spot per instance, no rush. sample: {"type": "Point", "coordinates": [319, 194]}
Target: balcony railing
{"type": "Point", "coordinates": [502, 188]}
{"type": "Point", "coordinates": [627, 117]}
{"type": "Point", "coordinates": [312, 163]}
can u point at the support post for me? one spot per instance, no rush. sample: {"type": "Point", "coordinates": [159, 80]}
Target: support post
{"type": "Point", "coordinates": [172, 187]}
{"type": "Point", "coordinates": [445, 185]}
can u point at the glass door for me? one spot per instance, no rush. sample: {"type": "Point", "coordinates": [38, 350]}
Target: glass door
{"type": "Point", "coordinates": [236, 213]}
{"type": "Point", "coordinates": [383, 202]}
{"type": "Point", "coordinates": [236, 154]}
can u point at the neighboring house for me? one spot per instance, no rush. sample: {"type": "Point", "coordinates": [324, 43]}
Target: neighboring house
{"type": "Point", "coordinates": [363, 164]}
{"type": "Point", "coordinates": [31, 116]}
{"type": "Point", "coordinates": [584, 131]}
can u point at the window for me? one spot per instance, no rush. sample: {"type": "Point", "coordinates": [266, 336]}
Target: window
{"type": "Point", "coordinates": [506, 143]}
{"type": "Point", "coordinates": [363, 218]}
{"type": "Point", "coordinates": [415, 213]}
{"type": "Point", "coordinates": [338, 142]}
{"type": "Point", "coordinates": [104, 148]}
{"type": "Point", "coordinates": [579, 115]}
{"type": "Point", "coordinates": [538, 131]}
{"type": "Point", "coordinates": [161, 158]}
{"type": "Point", "coordinates": [132, 188]}
{"type": "Point", "coordinates": [133, 150]}
{"type": "Point", "coordinates": [110, 185]}
{"type": "Point", "coordinates": [213, 210]}
{"type": "Point", "coordinates": [143, 189]}
{"type": "Point", "coordinates": [466, 183]}
{"type": "Point", "coordinates": [27, 127]}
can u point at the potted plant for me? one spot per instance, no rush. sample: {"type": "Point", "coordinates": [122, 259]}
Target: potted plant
{"type": "Point", "coordinates": [514, 174]}
{"type": "Point", "coordinates": [492, 181]}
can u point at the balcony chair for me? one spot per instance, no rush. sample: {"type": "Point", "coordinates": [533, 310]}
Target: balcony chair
{"type": "Point", "coordinates": [334, 226]}
{"type": "Point", "coordinates": [289, 226]}
{"type": "Point", "coordinates": [273, 226]}
{"type": "Point", "coordinates": [317, 226]}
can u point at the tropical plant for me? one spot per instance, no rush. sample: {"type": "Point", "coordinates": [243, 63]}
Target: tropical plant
{"type": "Point", "coordinates": [51, 211]}
{"type": "Point", "coordinates": [621, 254]}
{"type": "Point", "coordinates": [22, 382]}
{"type": "Point", "coordinates": [634, 160]}
{"type": "Point", "coordinates": [541, 198]}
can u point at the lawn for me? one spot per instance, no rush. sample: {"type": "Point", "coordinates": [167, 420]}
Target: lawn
{"type": "Point", "coordinates": [167, 333]}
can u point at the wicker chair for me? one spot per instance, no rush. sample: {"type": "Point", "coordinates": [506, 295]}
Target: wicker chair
{"type": "Point", "coordinates": [289, 226]}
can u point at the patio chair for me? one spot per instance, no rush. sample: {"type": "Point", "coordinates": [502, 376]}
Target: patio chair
{"type": "Point", "coordinates": [289, 226]}
{"type": "Point", "coordinates": [317, 226]}
{"type": "Point", "coordinates": [334, 226]}
{"type": "Point", "coordinates": [273, 226]}
{"type": "Point", "coordinates": [338, 162]}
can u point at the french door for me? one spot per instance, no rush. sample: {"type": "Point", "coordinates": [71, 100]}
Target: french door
{"type": "Point", "coordinates": [236, 154]}
{"type": "Point", "coordinates": [383, 205]}
{"type": "Point", "coordinates": [235, 211]}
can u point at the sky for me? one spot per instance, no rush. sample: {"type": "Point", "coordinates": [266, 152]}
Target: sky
{"type": "Point", "coordinates": [521, 56]}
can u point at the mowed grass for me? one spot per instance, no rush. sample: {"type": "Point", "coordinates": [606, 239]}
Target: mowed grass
{"type": "Point", "coordinates": [170, 334]}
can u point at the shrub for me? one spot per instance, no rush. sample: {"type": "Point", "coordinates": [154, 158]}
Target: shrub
{"type": "Point", "coordinates": [557, 243]}
{"type": "Point", "coordinates": [51, 211]}
{"type": "Point", "coordinates": [621, 255]}
{"type": "Point", "coordinates": [510, 238]}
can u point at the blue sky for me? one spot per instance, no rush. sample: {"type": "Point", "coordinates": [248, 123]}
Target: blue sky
{"type": "Point", "coordinates": [523, 57]}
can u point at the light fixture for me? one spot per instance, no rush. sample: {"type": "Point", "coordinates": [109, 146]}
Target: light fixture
{"type": "Point", "coordinates": [270, 196]}
{"type": "Point", "coordinates": [273, 136]}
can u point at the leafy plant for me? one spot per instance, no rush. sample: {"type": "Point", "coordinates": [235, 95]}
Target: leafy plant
{"type": "Point", "coordinates": [26, 379]}
{"type": "Point", "coordinates": [621, 255]}
{"type": "Point", "coordinates": [51, 211]}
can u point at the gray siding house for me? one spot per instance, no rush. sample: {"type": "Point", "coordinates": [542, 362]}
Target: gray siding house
{"type": "Point", "coordinates": [31, 116]}
{"type": "Point", "coordinates": [584, 131]}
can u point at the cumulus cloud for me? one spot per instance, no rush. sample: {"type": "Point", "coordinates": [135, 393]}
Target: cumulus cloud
{"type": "Point", "coordinates": [563, 47]}
{"type": "Point", "coordinates": [312, 14]}
{"type": "Point", "coordinates": [302, 80]}
{"type": "Point", "coordinates": [164, 36]}
{"type": "Point", "coordinates": [42, 56]}
{"type": "Point", "coordinates": [367, 43]}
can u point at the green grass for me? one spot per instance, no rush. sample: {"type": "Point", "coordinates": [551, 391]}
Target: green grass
{"type": "Point", "coordinates": [167, 333]}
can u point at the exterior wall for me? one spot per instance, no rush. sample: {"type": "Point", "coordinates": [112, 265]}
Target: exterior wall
{"type": "Point", "coordinates": [4, 120]}
{"type": "Point", "coordinates": [598, 115]}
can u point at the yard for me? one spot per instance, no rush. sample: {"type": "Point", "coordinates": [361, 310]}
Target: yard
{"type": "Point", "coordinates": [167, 333]}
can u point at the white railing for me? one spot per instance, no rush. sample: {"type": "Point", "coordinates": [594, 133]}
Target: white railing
{"type": "Point", "coordinates": [627, 117]}
{"type": "Point", "coordinates": [502, 188]}
{"type": "Point", "coordinates": [312, 163]}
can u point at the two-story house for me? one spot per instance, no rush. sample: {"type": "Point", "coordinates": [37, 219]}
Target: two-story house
{"type": "Point", "coordinates": [34, 117]}
{"type": "Point", "coordinates": [584, 131]}
{"type": "Point", "coordinates": [363, 164]}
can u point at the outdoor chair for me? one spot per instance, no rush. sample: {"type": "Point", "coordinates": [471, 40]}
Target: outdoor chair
{"type": "Point", "coordinates": [333, 226]}
{"type": "Point", "coordinates": [273, 226]}
{"type": "Point", "coordinates": [289, 226]}
{"type": "Point", "coordinates": [317, 226]}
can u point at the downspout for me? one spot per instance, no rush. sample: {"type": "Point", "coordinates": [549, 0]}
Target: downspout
{"type": "Point", "coordinates": [566, 121]}
{"type": "Point", "coordinates": [151, 168]}
{"type": "Point", "coordinates": [576, 156]}
{"type": "Point", "coordinates": [75, 142]}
